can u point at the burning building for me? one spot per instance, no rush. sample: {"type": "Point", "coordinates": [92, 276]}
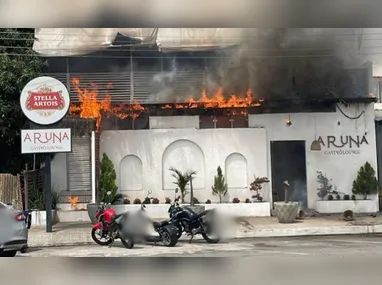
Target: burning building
{"type": "Point", "coordinates": [263, 105]}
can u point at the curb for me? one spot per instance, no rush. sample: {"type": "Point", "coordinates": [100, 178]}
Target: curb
{"type": "Point", "coordinates": [42, 239]}
{"type": "Point", "coordinates": [312, 231]}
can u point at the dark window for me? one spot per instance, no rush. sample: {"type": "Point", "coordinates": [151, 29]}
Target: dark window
{"type": "Point", "coordinates": [114, 123]}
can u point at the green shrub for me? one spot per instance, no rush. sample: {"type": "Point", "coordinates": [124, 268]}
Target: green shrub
{"type": "Point", "coordinates": [37, 198]}
{"type": "Point", "coordinates": [366, 183]}
{"type": "Point", "coordinates": [220, 187]}
{"type": "Point", "coordinates": [107, 182]}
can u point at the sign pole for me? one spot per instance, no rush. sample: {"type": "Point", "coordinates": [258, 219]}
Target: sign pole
{"type": "Point", "coordinates": [45, 101]}
{"type": "Point", "coordinates": [48, 193]}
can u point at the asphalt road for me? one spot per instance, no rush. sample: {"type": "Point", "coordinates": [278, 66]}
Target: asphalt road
{"type": "Point", "coordinates": [351, 246]}
{"type": "Point", "coordinates": [279, 261]}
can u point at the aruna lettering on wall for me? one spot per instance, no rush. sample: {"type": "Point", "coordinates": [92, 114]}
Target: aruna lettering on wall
{"type": "Point", "coordinates": [342, 145]}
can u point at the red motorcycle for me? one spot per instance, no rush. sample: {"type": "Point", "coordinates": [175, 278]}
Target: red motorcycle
{"type": "Point", "coordinates": [107, 229]}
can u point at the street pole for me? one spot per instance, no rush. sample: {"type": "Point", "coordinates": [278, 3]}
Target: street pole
{"type": "Point", "coordinates": [48, 193]}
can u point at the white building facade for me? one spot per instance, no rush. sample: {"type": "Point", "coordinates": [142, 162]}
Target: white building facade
{"type": "Point", "coordinates": [277, 146]}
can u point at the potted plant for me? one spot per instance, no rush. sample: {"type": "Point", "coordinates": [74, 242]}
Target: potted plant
{"type": "Point", "coordinates": [286, 211]}
{"type": "Point", "coordinates": [220, 187]}
{"type": "Point", "coordinates": [256, 186]}
{"type": "Point", "coordinates": [182, 180]}
{"type": "Point", "coordinates": [167, 200]}
{"type": "Point", "coordinates": [326, 187]}
{"type": "Point", "coordinates": [37, 205]}
{"type": "Point", "coordinates": [106, 183]}
{"type": "Point", "coordinates": [366, 183]}
{"type": "Point", "coordinates": [235, 200]}
{"type": "Point", "coordinates": [155, 201]}
{"type": "Point", "coordinates": [137, 201]}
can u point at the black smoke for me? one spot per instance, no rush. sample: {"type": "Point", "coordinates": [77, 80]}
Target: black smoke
{"type": "Point", "coordinates": [292, 63]}
{"type": "Point", "coordinates": [274, 63]}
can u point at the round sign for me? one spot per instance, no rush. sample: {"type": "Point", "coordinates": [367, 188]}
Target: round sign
{"type": "Point", "coordinates": [45, 100]}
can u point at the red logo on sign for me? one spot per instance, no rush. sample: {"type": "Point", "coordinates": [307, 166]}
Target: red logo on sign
{"type": "Point", "coordinates": [45, 99]}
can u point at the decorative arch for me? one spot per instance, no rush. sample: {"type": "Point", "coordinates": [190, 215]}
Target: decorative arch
{"type": "Point", "coordinates": [236, 171]}
{"type": "Point", "coordinates": [183, 155]}
{"type": "Point", "coordinates": [131, 173]}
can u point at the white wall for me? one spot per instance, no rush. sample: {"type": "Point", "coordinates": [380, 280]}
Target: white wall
{"type": "Point", "coordinates": [59, 172]}
{"type": "Point", "coordinates": [174, 122]}
{"type": "Point", "coordinates": [204, 150]}
{"type": "Point", "coordinates": [342, 168]}
{"type": "Point", "coordinates": [142, 159]}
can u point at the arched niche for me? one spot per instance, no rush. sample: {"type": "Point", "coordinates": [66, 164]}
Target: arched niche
{"type": "Point", "coordinates": [183, 155]}
{"type": "Point", "coordinates": [236, 171]}
{"type": "Point", "coordinates": [131, 173]}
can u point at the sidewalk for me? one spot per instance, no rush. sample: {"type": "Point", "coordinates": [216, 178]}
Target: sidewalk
{"type": "Point", "coordinates": [79, 233]}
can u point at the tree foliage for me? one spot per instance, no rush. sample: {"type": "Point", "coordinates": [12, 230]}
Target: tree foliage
{"type": "Point", "coordinates": [220, 187]}
{"type": "Point", "coordinates": [18, 65]}
{"type": "Point", "coordinates": [257, 186]}
{"type": "Point", "coordinates": [107, 182]}
{"type": "Point", "coordinates": [366, 182]}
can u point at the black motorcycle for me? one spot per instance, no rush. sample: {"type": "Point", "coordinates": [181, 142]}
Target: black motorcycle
{"type": "Point", "coordinates": [167, 231]}
{"type": "Point", "coordinates": [192, 223]}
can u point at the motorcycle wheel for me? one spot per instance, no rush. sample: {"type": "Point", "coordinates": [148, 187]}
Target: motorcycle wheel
{"type": "Point", "coordinates": [209, 239]}
{"type": "Point", "coordinates": [98, 240]}
{"type": "Point", "coordinates": [169, 239]}
{"type": "Point", "coordinates": [127, 243]}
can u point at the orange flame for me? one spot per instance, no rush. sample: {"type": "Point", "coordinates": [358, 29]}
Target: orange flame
{"type": "Point", "coordinates": [92, 108]}
{"type": "Point", "coordinates": [73, 200]}
{"type": "Point", "coordinates": [218, 101]}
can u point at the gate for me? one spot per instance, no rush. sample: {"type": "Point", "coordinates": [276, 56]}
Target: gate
{"type": "Point", "coordinates": [10, 190]}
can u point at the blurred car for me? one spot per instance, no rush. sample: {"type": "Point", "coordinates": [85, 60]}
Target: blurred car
{"type": "Point", "coordinates": [13, 231]}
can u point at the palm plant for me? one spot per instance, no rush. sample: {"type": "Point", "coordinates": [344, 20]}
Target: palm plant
{"type": "Point", "coordinates": [182, 180]}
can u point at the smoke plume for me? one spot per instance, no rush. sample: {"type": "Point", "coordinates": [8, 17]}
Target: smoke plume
{"type": "Point", "coordinates": [289, 63]}
{"type": "Point", "coordinates": [282, 64]}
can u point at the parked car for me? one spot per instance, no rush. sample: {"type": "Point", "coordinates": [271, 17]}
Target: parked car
{"type": "Point", "coordinates": [13, 231]}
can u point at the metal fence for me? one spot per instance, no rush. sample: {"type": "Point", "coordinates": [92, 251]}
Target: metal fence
{"type": "Point", "coordinates": [138, 86]}
{"type": "Point", "coordinates": [31, 181]}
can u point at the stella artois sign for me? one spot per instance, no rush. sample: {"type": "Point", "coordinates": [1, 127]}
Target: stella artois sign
{"type": "Point", "coordinates": [45, 100]}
